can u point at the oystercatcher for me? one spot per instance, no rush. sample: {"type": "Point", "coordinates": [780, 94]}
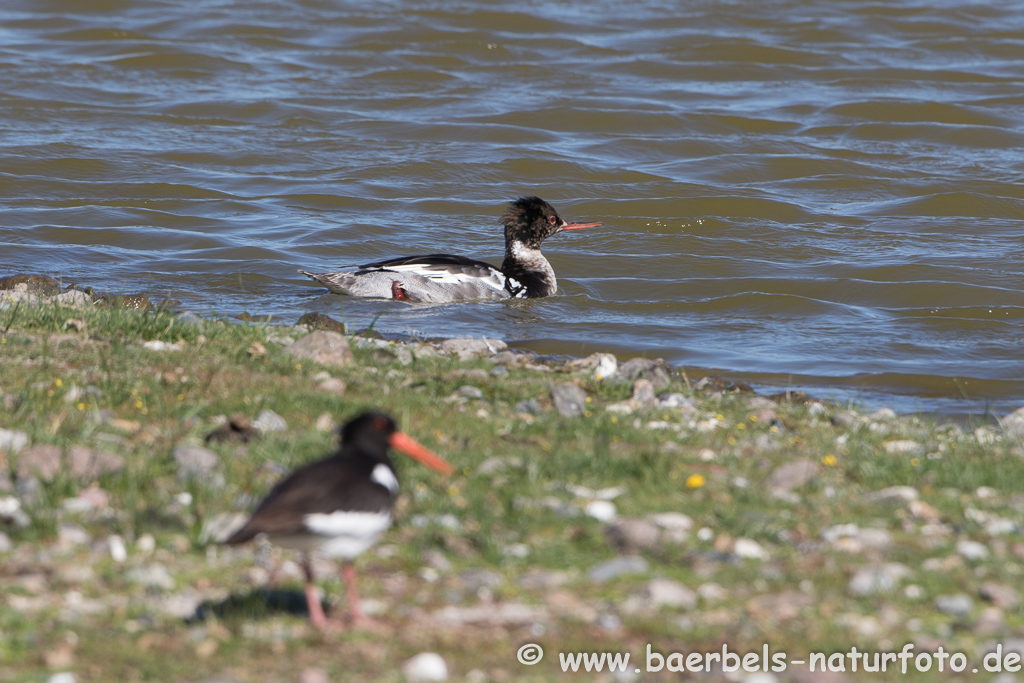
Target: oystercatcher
{"type": "Point", "coordinates": [338, 506]}
{"type": "Point", "coordinates": [444, 278]}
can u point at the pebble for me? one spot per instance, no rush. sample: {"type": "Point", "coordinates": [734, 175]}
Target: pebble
{"type": "Point", "coordinates": [11, 513]}
{"type": "Point", "coordinates": [606, 366]}
{"type": "Point", "coordinates": [749, 549]}
{"type": "Point", "coordinates": [467, 349]}
{"type": "Point", "coordinates": [675, 526]}
{"type": "Point", "coordinates": [153, 576]}
{"type": "Point", "coordinates": [323, 347]}
{"type": "Point", "coordinates": [42, 460]}
{"type": "Point", "coordinates": [1013, 425]}
{"type": "Point", "coordinates": [70, 535]}
{"type": "Point", "coordinates": [711, 592]}
{"type": "Point", "coordinates": [645, 368]}
{"type": "Point", "coordinates": [470, 392]}
{"type": "Point", "coordinates": [118, 552]}
{"type": "Point", "coordinates": [667, 593]}
{"type": "Point", "coordinates": [894, 495]}
{"type": "Point", "coordinates": [62, 677]}
{"type": "Point", "coordinates": [972, 550]}
{"type": "Point", "coordinates": [793, 474]}
{"type": "Point", "coordinates": [958, 604]}
{"type": "Point", "coordinates": [325, 422]}
{"type": "Point", "coordinates": [878, 579]}
{"type": "Point", "coordinates": [314, 675]}
{"type": "Point", "coordinates": [620, 566]}
{"type": "Point", "coordinates": [504, 614]}
{"type": "Point", "coordinates": [1000, 595]}
{"type": "Point", "coordinates": [12, 440]}
{"type": "Point", "coordinates": [159, 345]}
{"type": "Point", "coordinates": [630, 535]}
{"type": "Point", "coordinates": [601, 510]}
{"type": "Point", "coordinates": [5, 542]}
{"type": "Point", "coordinates": [643, 392]}
{"type": "Point", "coordinates": [531, 407]}
{"type": "Point", "coordinates": [269, 421]}
{"type": "Point", "coordinates": [569, 399]}
{"type": "Point", "coordinates": [332, 385]}
{"type": "Point", "coordinates": [194, 461]}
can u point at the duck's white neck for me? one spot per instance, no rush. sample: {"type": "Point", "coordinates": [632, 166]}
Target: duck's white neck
{"type": "Point", "coordinates": [527, 265]}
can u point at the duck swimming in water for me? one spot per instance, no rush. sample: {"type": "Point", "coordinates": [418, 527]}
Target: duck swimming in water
{"type": "Point", "coordinates": [445, 278]}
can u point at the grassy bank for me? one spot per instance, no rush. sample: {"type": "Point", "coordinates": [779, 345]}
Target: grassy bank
{"type": "Point", "coordinates": [738, 519]}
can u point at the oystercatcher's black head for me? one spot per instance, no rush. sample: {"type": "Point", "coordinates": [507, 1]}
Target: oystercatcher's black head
{"type": "Point", "coordinates": [531, 220]}
{"type": "Point", "coordinates": [369, 435]}
{"type": "Point", "coordinates": [370, 431]}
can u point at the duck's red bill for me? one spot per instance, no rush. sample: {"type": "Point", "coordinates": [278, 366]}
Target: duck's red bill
{"type": "Point", "coordinates": [580, 226]}
{"type": "Point", "coordinates": [413, 448]}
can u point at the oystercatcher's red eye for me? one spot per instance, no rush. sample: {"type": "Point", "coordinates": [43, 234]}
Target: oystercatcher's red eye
{"type": "Point", "coordinates": [380, 424]}
{"type": "Point", "coordinates": [552, 220]}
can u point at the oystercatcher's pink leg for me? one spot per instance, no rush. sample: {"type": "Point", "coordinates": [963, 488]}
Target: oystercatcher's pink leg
{"type": "Point", "coordinates": [316, 610]}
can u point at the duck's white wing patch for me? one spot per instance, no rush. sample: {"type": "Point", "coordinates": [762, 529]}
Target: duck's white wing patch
{"type": "Point", "coordinates": [383, 475]}
{"type": "Point", "coordinates": [441, 274]}
{"type": "Point", "coordinates": [347, 534]}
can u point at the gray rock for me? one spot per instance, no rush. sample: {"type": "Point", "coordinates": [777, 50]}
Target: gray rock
{"type": "Point", "coordinates": [269, 421]}
{"type": "Point", "coordinates": [1013, 425]}
{"type": "Point", "coordinates": [154, 576]}
{"type": "Point", "coordinates": [1000, 595]}
{"type": "Point", "coordinates": [629, 535]}
{"type": "Point", "coordinates": [620, 566]}
{"type": "Point", "coordinates": [643, 392]}
{"type": "Point", "coordinates": [793, 474]}
{"type": "Point", "coordinates": [5, 542]}
{"type": "Point", "coordinates": [194, 461]}
{"type": "Point", "coordinates": [89, 463]}
{"type": "Point", "coordinates": [569, 399]}
{"type": "Point", "coordinates": [958, 604]}
{"type": "Point", "coordinates": [972, 550]}
{"type": "Point", "coordinates": [332, 385]}
{"type": "Point", "coordinates": [326, 348]}
{"type": "Point", "coordinates": [894, 495]}
{"type": "Point", "coordinates": [42, 460]}
{"type": "Point", "coordinates": [471, 392]}
{"type": "Point", "coordinates": [530, 407]}
{"type": "Point", "coordinates": [644, 368]}
{"type": "Point", "coordinates": [667, 593]}
{"type": "Point", "coordinates": [878, 579]}
{"type": "Point", "coordinates": [466, 349]}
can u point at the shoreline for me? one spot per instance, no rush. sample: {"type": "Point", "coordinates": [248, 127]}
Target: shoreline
{"type": "Point", "coordinates": [587, 513]}
{"type": "Point", "coordinates": [845, 390]}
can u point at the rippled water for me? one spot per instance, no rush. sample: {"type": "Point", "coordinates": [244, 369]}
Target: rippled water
{"type": "Point", "coordinates": [825, 197]}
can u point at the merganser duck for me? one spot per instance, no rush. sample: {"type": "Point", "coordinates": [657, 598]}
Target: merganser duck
{"type": "Point", "coordinates": [444, 278]}
{"type": "Point", "coordinates": [338, 506]}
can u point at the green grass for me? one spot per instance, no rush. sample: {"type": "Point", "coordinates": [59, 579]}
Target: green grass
{"type": "Point", "coordinates": [104, 390]}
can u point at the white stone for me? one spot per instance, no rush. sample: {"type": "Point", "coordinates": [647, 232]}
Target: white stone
{"type": "Point", "coordinates": [425, 667]}
{"type": "Point", "coordinates": [606, 365]}
{"type": "Point", "coordinates": [269, 421]}
{"type": "Point", "coordinates": [749, 549]}
{"type": "Point", "coordinates": [12, 441]}
{"type": "Point", "coordinates": [972, 550]}
{"type": "Point", "coordinates": [601, 510]}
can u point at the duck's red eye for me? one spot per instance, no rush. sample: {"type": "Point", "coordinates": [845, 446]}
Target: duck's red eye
{"type": "Point", "coordinates": [552, 220]}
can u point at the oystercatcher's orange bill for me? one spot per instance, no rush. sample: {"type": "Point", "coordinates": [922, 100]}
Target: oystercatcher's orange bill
{"type": "Point", "coordinates": [410, 446]}
{"type": "Point", "coordinates": [580, 226]}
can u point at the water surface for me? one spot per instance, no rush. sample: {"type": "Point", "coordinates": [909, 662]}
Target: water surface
{"type": "Point", "coordinates": [820, 196]}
